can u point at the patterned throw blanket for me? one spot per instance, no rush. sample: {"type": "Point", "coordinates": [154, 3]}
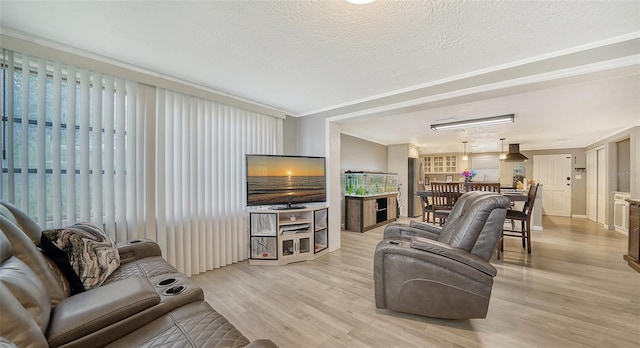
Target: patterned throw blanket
{"type": "Point", "coordinates": [83, 252]}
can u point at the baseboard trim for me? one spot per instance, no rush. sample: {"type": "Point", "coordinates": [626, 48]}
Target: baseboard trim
{"type": "Point", "coordinates": [619, 230]}
{"type": "Point", "coordinates": [538, 228]}
{"type": "Point", "coordinates": [576, 216]}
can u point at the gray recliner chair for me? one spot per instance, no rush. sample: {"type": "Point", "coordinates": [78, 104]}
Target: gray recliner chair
{"type": "Point", "coordinates": [442, 273]}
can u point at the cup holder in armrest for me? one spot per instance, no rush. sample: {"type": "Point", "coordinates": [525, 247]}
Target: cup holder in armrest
{"type": "Point", "coordinates": [166, 282]}
{"type": "Point", "coordinates": [135, 241]}
{"type": "Point", "coordinates": [174, 290]}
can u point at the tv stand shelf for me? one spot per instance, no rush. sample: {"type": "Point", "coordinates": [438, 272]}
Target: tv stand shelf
{"type": "Point", "coordinates": [281, 236]}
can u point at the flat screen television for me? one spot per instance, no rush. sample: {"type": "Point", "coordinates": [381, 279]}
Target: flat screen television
{"type": "Point", "coordinates": [285, 180]}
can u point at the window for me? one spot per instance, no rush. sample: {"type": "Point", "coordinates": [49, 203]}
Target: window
{"type": "Point", "coordinates": [141, 161]}
{"type": "Point", "coordinates": [487, 168]}
{"type": "Point", "coordinates": [59, 139]}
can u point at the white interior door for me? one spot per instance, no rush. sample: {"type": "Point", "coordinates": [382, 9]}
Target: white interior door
{"type": "Point", "coordinates": [602, 192]}
{"type": "Point", "coordinates": [592, 185]}
{"type": "Point", "coordinates": [554, 173]}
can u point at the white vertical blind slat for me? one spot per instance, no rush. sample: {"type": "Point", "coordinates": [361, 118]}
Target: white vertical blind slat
{"type": "Point", "coordinates": [216, 181]}
{"type": "Point", "coordinates": [120, 183]}
{"type": "Point", "coordinates": [84, 118]}
{"type": "Point", "coordinates": [41, 149]}
{"type": "Point", "coordinates": [161, 154]}
{"type": "Point", "coordinates": [96, 150]}
{"type": "Point", "coordinates": [170, 177]}
{"type": "Point", "coordinates": [109, 165]}
{"type": "Point", "coordinates": [229, 178]}
{"type": "Point", "coordinates": [244, 237]}
{"type": "Point", "coordinates": [222, 241]}
{"type": "Point", "coordinates": [56, 145]}
{"type": "Point", "coordinates": [71, 146]}
{"type": "Point", "coordinates": [139, 148]}
{"type": "Point", "coordinates": [24, 127]}
{"type": "Point", "coordinates": [11, 193]}
{"type": "Point", "coordinates": [181, 162]}
{"type": "Point", "coordinates": [235, 184]}
{"type": "Point", "coordinates": [208, 181]}
{"type": "Point", "coordinates": [187, 169]}
{"type": "Point", "coordinates": [199, 186]}
{"type": "Point", "coordinates": [147, 177]}
{"type": "Point", "coordinates": [131, 174]}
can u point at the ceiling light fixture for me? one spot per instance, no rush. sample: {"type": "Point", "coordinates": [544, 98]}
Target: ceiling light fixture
{"type": "Point", "coordinates": [464, 154]}
{"type": "Point", "coordinates": [474, 123]}
{"type": "Point", "coordinates": [502, 154]}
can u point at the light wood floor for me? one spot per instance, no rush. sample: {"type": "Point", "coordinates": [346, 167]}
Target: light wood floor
{"type": "Point", "coordinates": [574, 290]}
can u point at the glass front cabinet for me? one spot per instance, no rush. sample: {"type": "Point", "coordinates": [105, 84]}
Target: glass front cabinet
{"type": "Point", "coordinates": [279, 237]}
{"type": "Point", "coordinates": [440, 164]}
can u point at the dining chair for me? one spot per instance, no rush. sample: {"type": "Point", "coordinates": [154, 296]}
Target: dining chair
{"type": "Point", "coordinates": [427, 207]}
{"type": "Point", "coordinates": [524, 216]}
{"type": "Point", "coordinates": [443, 196]}
{"type": "Point", "coordinates": [482, 186]}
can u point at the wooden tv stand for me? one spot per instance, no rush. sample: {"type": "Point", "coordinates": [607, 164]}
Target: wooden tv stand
{"type": "Point", "coordinates": [281, 236]}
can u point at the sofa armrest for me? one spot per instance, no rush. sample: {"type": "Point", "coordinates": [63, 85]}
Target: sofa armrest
{"type": "Point", "coordinates": [456, 254]}
{"type": "Point", "coordinates": [426, 227]}
{"type": "Point", "coordinates": [138, 249]}
{"type": "Point", "coordinates": [90, 311]}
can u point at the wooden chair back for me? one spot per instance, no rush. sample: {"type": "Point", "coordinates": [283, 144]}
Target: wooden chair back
{"type": "Point", "coordinates": [445, 195]}
{"type": "Point", "coordinates": [531, 199]}
{"type": "Point", "coordinates": [482, 186]}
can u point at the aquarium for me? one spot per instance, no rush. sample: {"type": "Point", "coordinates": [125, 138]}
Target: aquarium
{"type": "Point", "coordinates": [364, 184]}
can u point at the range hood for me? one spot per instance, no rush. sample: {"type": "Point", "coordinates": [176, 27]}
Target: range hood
{"type": "Point", "coordinates": [514, 154]}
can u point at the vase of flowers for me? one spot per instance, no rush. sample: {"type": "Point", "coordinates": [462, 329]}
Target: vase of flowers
{"type": "Point", "coordinates": [468, 175]}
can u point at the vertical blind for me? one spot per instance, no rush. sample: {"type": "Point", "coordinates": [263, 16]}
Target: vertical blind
{"type": "Point", "coordinates": [61, 158]}
{"type": "Point", "coordinates": [200, 205]}
{"type": "Point", "coordinates": [140, 161]}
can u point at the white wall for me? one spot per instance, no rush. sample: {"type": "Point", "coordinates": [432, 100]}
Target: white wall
{"type": "Point", "coordinates": [361, 155]}
{"type": "Point", "coordinates": [335, 189]}
{"type": "Point", "coordinates": [398, 156]}
{"type": "Point", "coordinates": [290, 136]}
{"type": "Point", "coordinates": [311, 136]}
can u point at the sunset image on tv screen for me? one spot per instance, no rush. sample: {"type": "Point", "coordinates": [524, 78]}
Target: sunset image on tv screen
{"type": "Point", "coordinates": [285, 180]}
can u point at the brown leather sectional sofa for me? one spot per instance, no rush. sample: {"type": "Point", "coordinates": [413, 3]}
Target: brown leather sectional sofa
{"type": "Point", "coordinates": [145, 303]}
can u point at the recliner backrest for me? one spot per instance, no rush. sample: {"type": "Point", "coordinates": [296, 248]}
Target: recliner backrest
{"type": "Point", "coordinates": [22, 220]}
{"type": "Point", "coordinates": [458, 209]}
{"type": "Point", "coordinates": [24, 249]}
{"type": "Point", "coordinates": [19, 282]}
{"type": "Point", "coordinates": [476, 223]}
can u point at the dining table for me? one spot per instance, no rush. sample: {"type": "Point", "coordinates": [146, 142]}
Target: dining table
{"type": "Point", "coordinates": [513, 195]}
{"type": "Point", "coordinates": [516, 196]}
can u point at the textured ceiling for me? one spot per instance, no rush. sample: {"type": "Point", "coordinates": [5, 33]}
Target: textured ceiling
{"type": "Point", "coordinates": [306, 57]}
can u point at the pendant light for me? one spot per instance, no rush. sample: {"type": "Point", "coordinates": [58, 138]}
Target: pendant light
{"type": "Point", "coordinates": [502, 154]}
{"type": "Point", "coordinates": [464, 154]}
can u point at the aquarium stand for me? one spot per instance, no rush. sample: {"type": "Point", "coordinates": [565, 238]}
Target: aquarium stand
{"type": "Point", "coordinates": [363, 213]}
